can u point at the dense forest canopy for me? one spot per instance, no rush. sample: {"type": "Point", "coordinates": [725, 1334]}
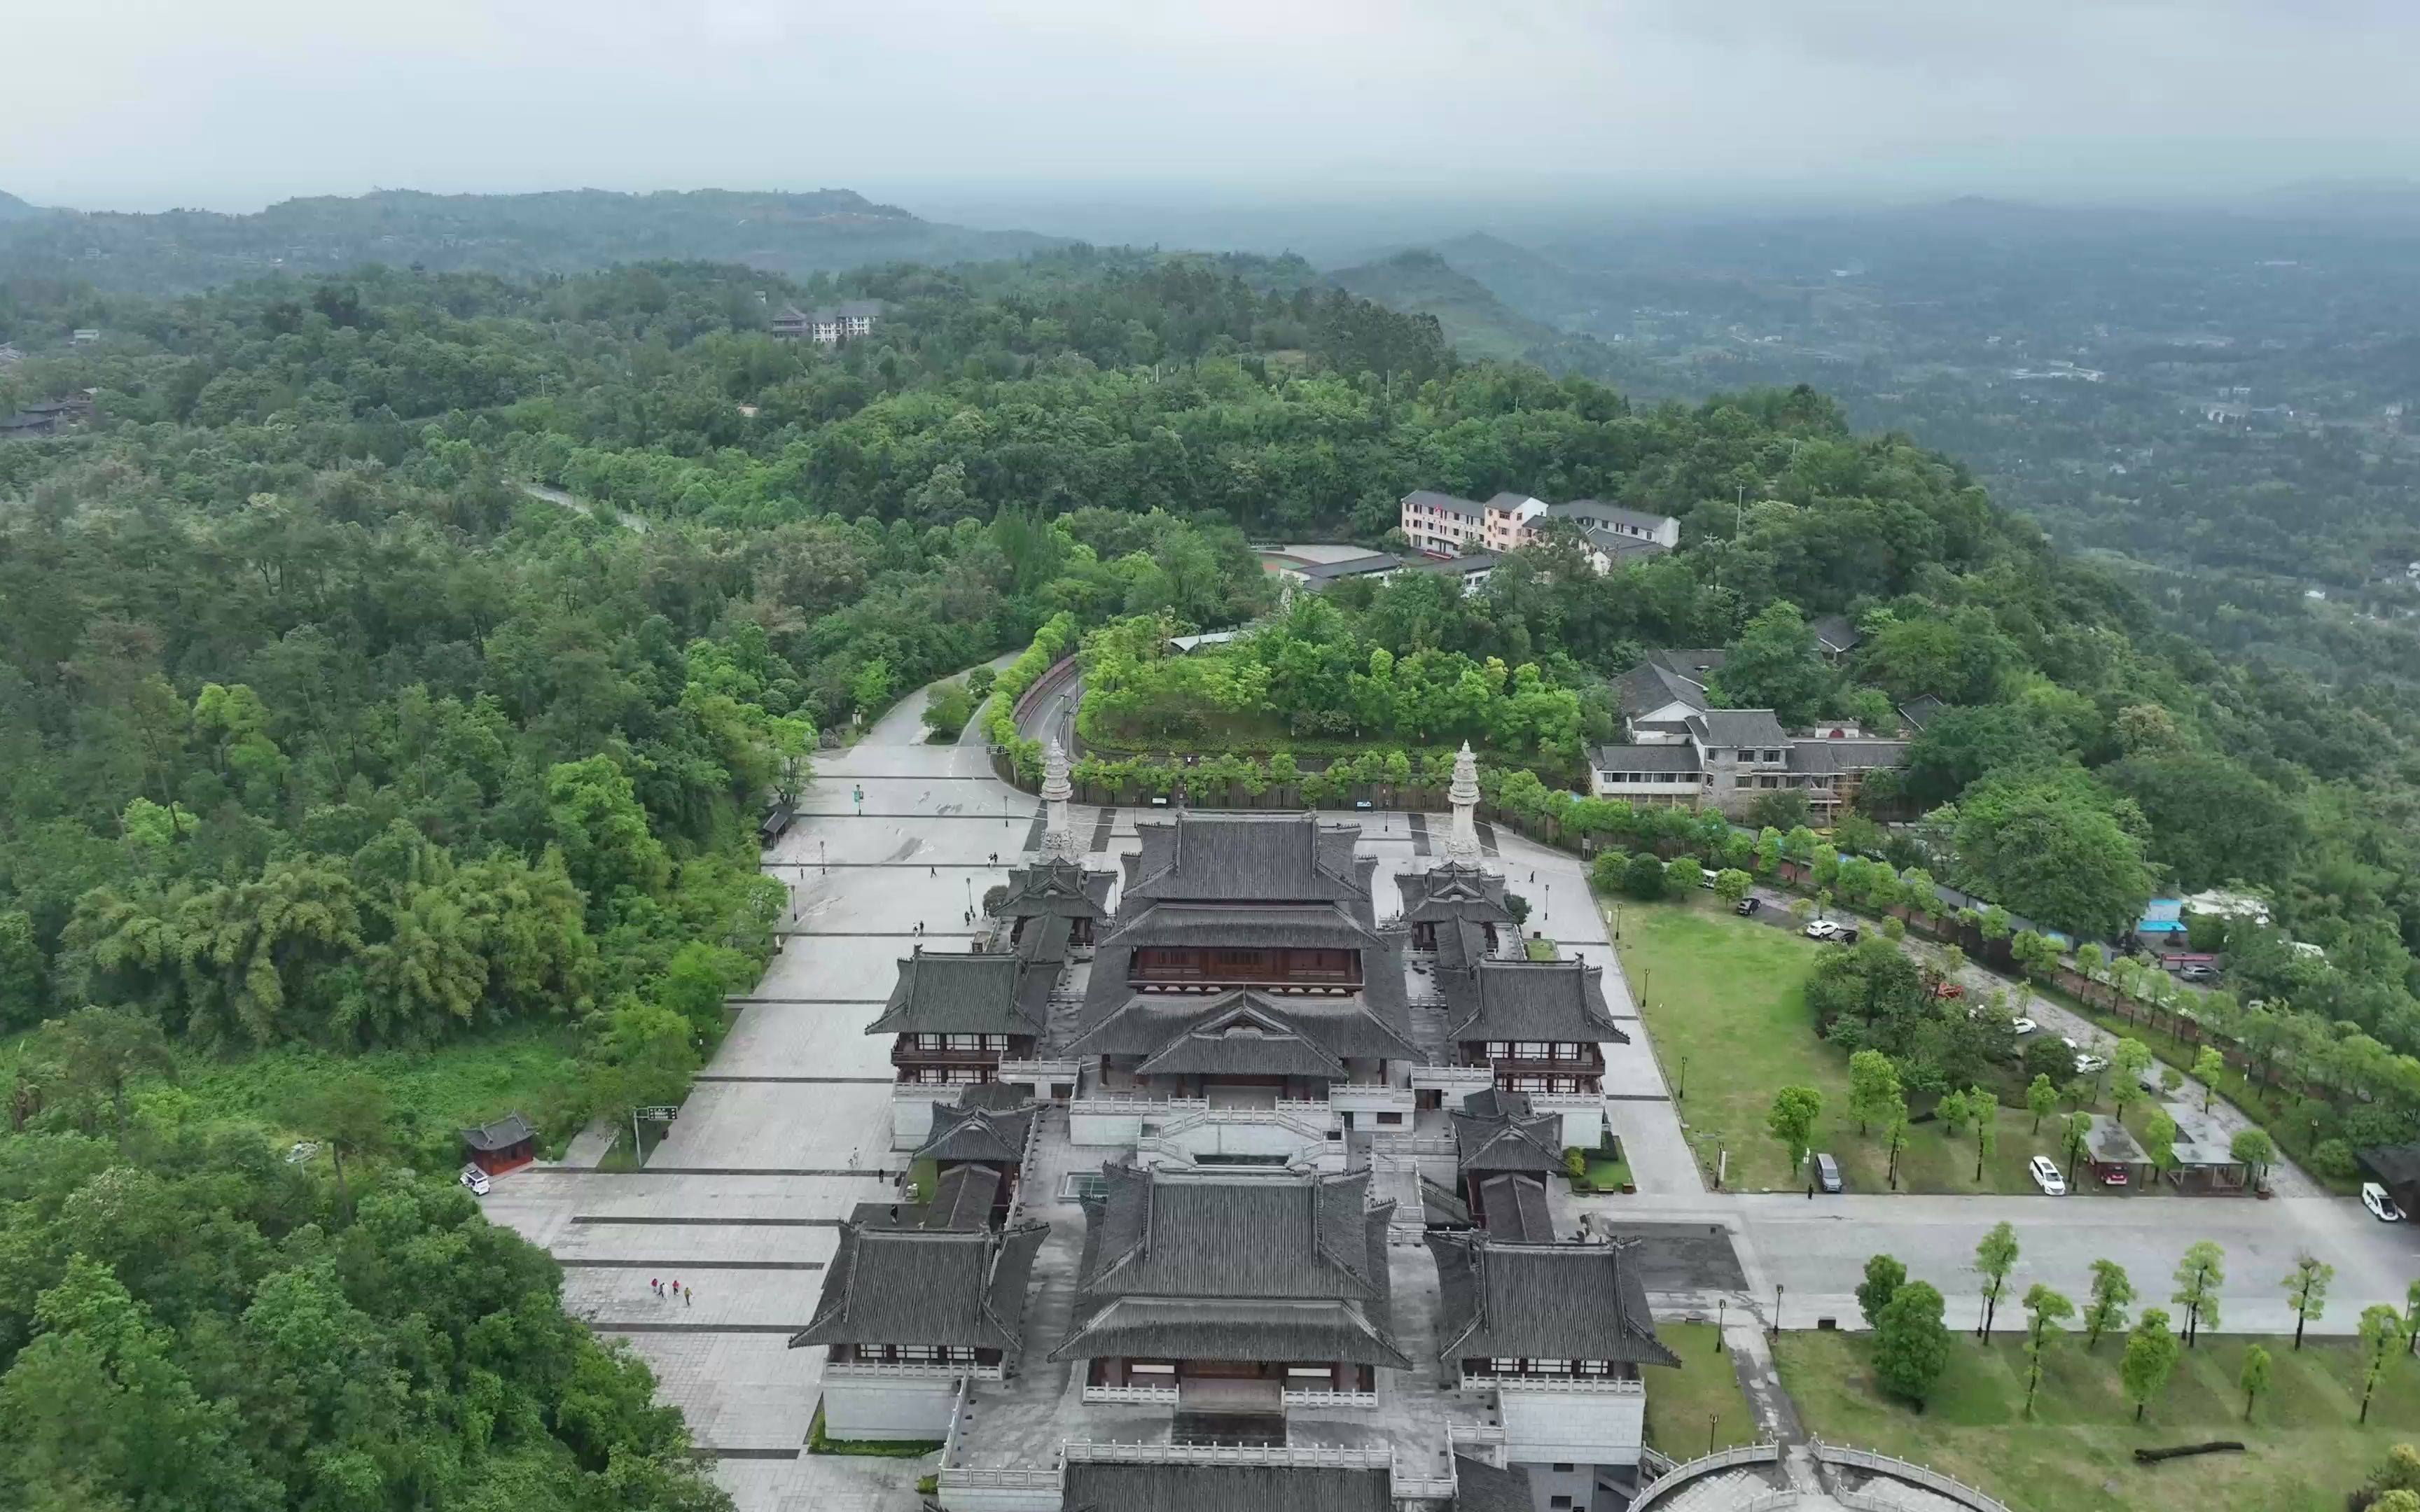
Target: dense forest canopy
{"type": "Point", "coordinates": [317, 726]}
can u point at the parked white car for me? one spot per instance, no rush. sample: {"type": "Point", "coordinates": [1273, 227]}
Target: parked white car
{"type": "Point", "coordinates": [1823, 929]}
{"type": "Point", "coordinates": [2023, 1027]}
{"type": "Point", "coordinates": [2046, 1176]}
{"type": "Point", "coordinates": [476, 1180]}
{"type": "Point", "coordinates": [2090, 1065]}
{"type": "Point", "coordinates": [2380, 1206]}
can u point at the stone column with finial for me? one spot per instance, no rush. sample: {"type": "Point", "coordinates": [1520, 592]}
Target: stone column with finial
{"type": "Point", "coordinates": [1461, 845]}
{"type": "Point", "coordinates": [1058, 830]}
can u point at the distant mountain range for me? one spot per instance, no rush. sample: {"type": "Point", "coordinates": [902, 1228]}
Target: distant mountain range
{"type": "Point", "coordinates": [562, 232]}
{"type": "Point", "coordinates": [1496, 302]}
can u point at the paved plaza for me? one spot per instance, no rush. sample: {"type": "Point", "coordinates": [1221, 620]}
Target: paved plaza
{"type": "Point", "coordinates": [788, 1128]}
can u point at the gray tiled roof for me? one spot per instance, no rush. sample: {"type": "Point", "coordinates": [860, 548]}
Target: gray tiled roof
{"type": "Point", "coordinates": [1618, 546]}
{"type": "Point", "coordinates": [1166, 1488]}
{"type": "Point", "coordinates": [1667, 676]}
{"type": "Point", "coordinates": [1192, 1328]}
{"type": "Point", "coordinates": [1233, 1265]}
{"type": "Point", "coordinates": [1508, 499]}
{"type": "Point", "coordinates": [1846, 755]}
{"type": "Point", "coordinates": [1309, 926]}
{"type": "Point", "coordinates": [963, 1197]}
{"type": "Point", "coordinates": [1738, 727]}
{"type": "Point", "coordinates": [1569, 1302]}
{"type": "Point", "coordinates": [998, 1097]}
{"type": "Point", "coordinates": [1515, 1206]}
{"type": "Point", "coordinates": [1239, 857]}
{"type": "Point", "coordinates": [1558, 1000]}
{"type": "Point", "coordinates": [1923, 710]}
{"type": "Point", "coordinates": [1598, 511]}
{"type": "Point", "coordinates": [1242, 1040]}
{"type": "Point", "coordinates": [1665, 759]}
{"type": "Point", "coordinates": [925, 1286]}
{"type": "Point", "coordinates": [1211, 1233]}
{"type": "Point", "coordinates": [1464, 564]}
{"type": "Point", "coordinates": [504, 1134]}
{"type": "Point", "coordinates": [977, 1134]}
{"type": "Point", "coordinates": [1835, 631]}
{"type": "Point", "coordinates": [1480, 1486]}
{"type": "Point", "coordinates": [946, 993]}
{"type": "Point", "coordinates": [1443, 501]}
{"type": "Point", "coordinates": [1445, 892]}
{"type": "Point", "coordinates": [1055, 888]}
{"type": "Point", "coordinates": [1345, 1027]}
{"type": "Point", "coordinates": [1361, 566]}
{"type": "Point", "coordinates": [1508, 1142]}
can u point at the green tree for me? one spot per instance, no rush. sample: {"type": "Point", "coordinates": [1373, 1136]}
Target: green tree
{"type": "Point", "coordinates": [1792, 1119]}
{"type": "Point", "coordinates": [2306, 1292]}
{"type": "Point", "coordinates": [2075, 1138]}
{"type": "Point", "coordinates": [351, 1116]}
{"type": "Point", "coordinates": [1776, 664]}
{"type": "Point", "coordinates": [2151, 1357]}
{"type": "Point", "coordinates": [2112, 1293]}
{"type": "Point", "coordinates": [1731, 884]}
{"type": "Point", "coordinates": [947, 709]}
{"type": "Point", "coordinates": [2199, 1275]}
{"type": "Point", "coordinates": [2160, 1139]}
{"type": "Point", "coordinates": [2253, 1377]}
{"type": "Point", "coordinates": [2128, 1058]}
{"type": "Point", "coordinates": [1911, 1345]}
{"type": "Point", "coordinates": [2382, 1337]}
{"type": "Point", "coordinates": [1873, 1086]}
{"type": "Point", "coordinates": [2254, 1148]}
{"type": "Point", "coordinates": [97, 1411]}
{"type": "Point", "coordinates": [2041, 1100]}
{"type": "Point", "coordinates": [2044, 1308]}
{"type": "Point", "coordinates": [1995, 1255]}
{"type": "Point", "coordinates": [1985, 1110]}
{"type": "Point", "coordinates": [2054, 848]}
{"type": "Point", "coordinates": [2208, 1067]}
{"type": "Point", "coordinates": [1884, 1275]}
{"type": "Point", "coordinates": [95, 1054]}
{"type": "Point", "coordinates": [1681, 875]}
{"type": "Point", "coordinates": [596, 818]}
{"type": "Point", "coordinates": [1643, 877]}
{"type": "Point", "coordinates": [24, 986]}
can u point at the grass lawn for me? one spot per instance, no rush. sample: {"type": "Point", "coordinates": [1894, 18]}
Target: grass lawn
{"type": "Point", "coordinates": [1607, 1175]}
{"type": "Point", "coordinates": [434, 1092]}
{"type": "Point", "coordinates": [1678, 1402]}
{"type": "Point", "coordinates": [1723, 994]}
{"type": "Point", "coordinates": [2306, 1450]}
{"type": "Point", "coordinates": [1539, 949]}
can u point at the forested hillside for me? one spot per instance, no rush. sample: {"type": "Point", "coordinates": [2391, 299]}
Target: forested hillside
{"type": "Point", "coordinates": [562, 232]}
{"type": "Point", "coordinates": [317, 729]}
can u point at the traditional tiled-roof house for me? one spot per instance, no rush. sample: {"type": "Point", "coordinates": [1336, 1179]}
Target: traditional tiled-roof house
{"type": "Point", "coordinates": [1232, 1291]}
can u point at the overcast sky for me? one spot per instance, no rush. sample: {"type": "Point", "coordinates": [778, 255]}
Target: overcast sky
{"type": "Point", "coordinates": [114, 104]}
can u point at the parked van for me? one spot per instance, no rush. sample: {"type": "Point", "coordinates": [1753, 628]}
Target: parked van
{"type": "Point", "coordinates": [1828, 1173]}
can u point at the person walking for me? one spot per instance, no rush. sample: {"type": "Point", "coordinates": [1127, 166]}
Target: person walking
{"type": "Point", "coordinates": [689, 1295]}
{"type": "Point", "coordinates": [656, 1285]}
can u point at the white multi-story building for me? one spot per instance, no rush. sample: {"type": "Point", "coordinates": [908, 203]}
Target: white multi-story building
{"type": "Point", "coordinates": [1443, 524]}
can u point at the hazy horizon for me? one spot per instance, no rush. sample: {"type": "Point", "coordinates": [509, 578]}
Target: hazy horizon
{"type": "Point", "coordinates": [934, 104]}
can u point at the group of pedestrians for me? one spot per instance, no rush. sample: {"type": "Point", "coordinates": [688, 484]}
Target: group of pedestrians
{"type": "Point", "coordinates": [672, 1289]}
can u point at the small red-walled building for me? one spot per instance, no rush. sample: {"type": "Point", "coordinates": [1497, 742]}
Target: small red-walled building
{"type": "Point", "coordinates": [505, 1145]}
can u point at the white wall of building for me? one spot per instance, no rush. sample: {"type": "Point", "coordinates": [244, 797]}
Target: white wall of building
{"type": "Point", "coordinates": [1581, 1427]}
{"type": "Point", "coordinates": [870, 1407]}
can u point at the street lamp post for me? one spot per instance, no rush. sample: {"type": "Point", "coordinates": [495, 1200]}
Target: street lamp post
{"type": "Point", "coordinates": [1711, 1418]}
{"type": "Point", "coordinates": [1776, 1309]}
{"type": "Point", "coordinates": [1681, 1093]}
{"type": "Point", "coordinates": [1722, 1310]}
